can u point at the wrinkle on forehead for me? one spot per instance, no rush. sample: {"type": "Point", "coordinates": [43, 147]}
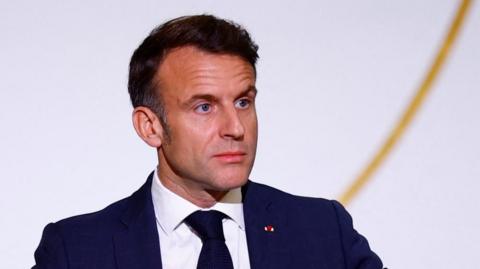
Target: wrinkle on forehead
{"type": "Point", "coordinates": [208, 77]}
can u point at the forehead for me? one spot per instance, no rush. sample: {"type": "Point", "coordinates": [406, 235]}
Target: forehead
{"type": "Point", "coordinates": [187, 68]}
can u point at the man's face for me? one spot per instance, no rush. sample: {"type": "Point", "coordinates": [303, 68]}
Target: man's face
{"type": "Point", "coordinates": [212, 122]}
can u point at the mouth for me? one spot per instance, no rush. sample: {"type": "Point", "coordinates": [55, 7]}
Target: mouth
{"type": "Point", "coordinates": [231, 156]}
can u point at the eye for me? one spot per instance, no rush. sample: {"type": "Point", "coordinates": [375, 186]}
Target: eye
{"type": "Point", "coordinates": [203, 108]}
{"type": "Point", "coordinates": [242, 103]}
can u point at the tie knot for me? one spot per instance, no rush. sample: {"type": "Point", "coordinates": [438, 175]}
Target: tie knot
{"type": "Point", "coordinates": [208, 224]}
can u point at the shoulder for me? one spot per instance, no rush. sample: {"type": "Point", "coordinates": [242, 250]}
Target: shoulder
{"type": "Point", "coordinates": [86, 229]}
{"type": "Point", "coordinates": [90, 235]}
{"type": "Point", "coordinates": [79, 235]}
{"type": "Point", "coordinates": [328, 213]}
{"type": "Point", "coordinates": [295, 203]}
{"type": "Point", "coordinates": [318, 224]}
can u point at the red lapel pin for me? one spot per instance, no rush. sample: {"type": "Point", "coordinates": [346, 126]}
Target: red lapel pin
{"type": "Point", "coordinates": [269, 228]}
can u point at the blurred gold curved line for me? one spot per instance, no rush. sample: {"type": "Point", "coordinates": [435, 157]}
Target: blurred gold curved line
{"type": "Point", "coordinates": [411, 110]}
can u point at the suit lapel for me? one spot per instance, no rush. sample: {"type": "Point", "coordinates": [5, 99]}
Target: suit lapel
{"type": "Point", "coordinates": [137, 246]}
{"type": "Point", "coordinates": [267, 246]}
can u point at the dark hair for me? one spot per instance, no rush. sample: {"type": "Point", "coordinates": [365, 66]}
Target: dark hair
{"type": "Point", "coordinates": [205, 32]}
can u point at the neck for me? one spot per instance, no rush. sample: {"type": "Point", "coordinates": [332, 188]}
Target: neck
{"type": "Point", "coordinates": [187, 189]}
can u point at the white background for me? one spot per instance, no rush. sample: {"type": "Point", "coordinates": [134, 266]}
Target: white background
{"type": "Point", "coordinates": [334, 76]}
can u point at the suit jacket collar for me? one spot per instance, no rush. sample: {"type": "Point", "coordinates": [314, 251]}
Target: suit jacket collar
{"type": "Point", "coordinates": [138, 246]}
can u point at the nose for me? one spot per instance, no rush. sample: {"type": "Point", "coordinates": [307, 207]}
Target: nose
{"type": "Point", "coordinates": [232, 127]}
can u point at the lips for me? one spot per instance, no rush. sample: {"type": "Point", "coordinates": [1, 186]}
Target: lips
{"type": "Point", "coordinates": [231, 156]}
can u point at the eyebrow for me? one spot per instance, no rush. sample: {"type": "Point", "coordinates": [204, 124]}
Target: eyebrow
{"type": "Point", "coordinates": [250, 89]}
{"type": "Point", "coordinates": [212, 98]}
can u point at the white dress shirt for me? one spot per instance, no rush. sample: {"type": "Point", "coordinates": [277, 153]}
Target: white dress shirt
{"type": "Point", "coordinates": [179, 245]}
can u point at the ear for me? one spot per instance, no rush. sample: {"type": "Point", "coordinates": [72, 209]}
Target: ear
{"type": "Point", "coordinates": [148, 126]}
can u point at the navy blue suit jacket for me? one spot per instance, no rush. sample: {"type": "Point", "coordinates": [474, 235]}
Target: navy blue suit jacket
{"type": "Point", "coordinates": [308, 233]}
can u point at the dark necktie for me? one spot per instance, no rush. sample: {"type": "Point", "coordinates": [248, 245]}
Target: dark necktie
{"type": "Point", "coordinates": [214, 253]}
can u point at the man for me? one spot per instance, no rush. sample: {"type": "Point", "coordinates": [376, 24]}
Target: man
{"type": "Point", "coordinates": [192, 85]}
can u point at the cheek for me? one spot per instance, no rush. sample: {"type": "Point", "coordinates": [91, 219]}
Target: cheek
{"type": "Point", "coordinates": [194, 137]}
{"type": "Point", "coordinates": [251, 125]}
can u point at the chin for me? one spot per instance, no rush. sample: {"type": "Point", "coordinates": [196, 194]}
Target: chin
{"type": "Point", "coordinates": [229, 183]}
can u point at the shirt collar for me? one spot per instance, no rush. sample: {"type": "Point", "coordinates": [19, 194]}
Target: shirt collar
{"type": "Point", "coordinates": [171, 209]}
